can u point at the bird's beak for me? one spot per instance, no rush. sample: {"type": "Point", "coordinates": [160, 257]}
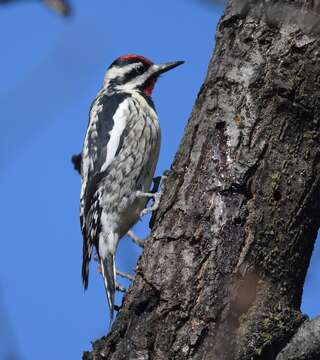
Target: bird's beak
{"type": "Point", "coordinates": [162, 68]}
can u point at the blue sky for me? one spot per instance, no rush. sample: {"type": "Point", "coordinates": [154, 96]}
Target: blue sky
{"type": "Point", "coordinates": [51, 69]}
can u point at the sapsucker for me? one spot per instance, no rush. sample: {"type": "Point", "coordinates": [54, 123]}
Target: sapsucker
{"type": "Point", "coordinates": [119, 157]}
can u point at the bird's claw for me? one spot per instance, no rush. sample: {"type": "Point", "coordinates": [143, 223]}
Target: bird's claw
{"type": "Point", "coordinates": [156, 201]}
{"type": "Point", "coordinates": [155, 194]}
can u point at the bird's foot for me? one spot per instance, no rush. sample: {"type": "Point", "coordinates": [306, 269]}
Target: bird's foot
{"type": "Point", "coordinates": [156, 201]}
{"type": "Point", "coordinates": [155, 194]}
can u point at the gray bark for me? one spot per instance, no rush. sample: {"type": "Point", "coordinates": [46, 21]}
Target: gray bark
{"type": "Point", "coordinates": [222, 274]}
{"type": "Point", "coordinates": [305, 344]}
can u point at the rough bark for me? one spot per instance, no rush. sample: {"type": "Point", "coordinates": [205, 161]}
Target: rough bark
{"type": "Point", "coordinates": [305, 344]}
{"type": "Point", "coordinates": [222, 273]}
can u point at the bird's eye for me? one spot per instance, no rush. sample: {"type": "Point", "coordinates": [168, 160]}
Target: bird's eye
{"type": "Point", "coordinates": [140, 70]}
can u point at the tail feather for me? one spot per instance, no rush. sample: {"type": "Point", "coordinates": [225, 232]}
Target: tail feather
{"type": "Point", "coordinates": [109, 273]}
{"type": "Point", "coordinates": [87, 251]}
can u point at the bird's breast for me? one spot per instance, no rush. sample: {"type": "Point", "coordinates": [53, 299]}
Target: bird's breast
{"type": "Point", "coordinates": [138, 163]}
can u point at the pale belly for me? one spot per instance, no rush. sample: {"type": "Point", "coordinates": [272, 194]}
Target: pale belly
{"type": "Point", "coordinates": [134, 205]}
{"type": "Point", "coordinates": [134, 169]}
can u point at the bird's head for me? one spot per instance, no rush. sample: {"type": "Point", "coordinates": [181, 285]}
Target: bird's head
{"type": "Point", "coordinates": [135, 72]}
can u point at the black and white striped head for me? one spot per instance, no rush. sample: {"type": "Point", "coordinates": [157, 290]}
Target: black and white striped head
{"type": "Point", "coordinates": [135, 72]}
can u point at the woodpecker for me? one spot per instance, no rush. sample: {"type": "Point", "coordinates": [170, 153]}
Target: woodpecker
{"type": "Point", "coordinates": [119, 157]}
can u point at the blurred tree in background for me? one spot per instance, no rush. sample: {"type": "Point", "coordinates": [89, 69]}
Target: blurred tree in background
{"type": "Point", "coordinates": [62, 7]}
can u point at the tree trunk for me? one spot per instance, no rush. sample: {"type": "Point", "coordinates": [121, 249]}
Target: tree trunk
{"type": "Point", "coordinates": [222, 273]}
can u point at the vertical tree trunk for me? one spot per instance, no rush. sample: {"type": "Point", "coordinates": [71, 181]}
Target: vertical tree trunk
{"type": "Point", "coordinates": [222, 274]}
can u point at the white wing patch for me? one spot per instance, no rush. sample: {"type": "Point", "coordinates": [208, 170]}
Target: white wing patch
{"type": "Point", "coordinates": [120, 121]}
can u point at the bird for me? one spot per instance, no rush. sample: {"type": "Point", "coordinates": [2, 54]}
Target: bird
{"type": "Point", "coordinates": [119, 157]}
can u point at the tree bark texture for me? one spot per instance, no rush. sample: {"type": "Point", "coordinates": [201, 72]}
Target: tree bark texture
{"type": "Point", "coordinates": [222, 274]}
